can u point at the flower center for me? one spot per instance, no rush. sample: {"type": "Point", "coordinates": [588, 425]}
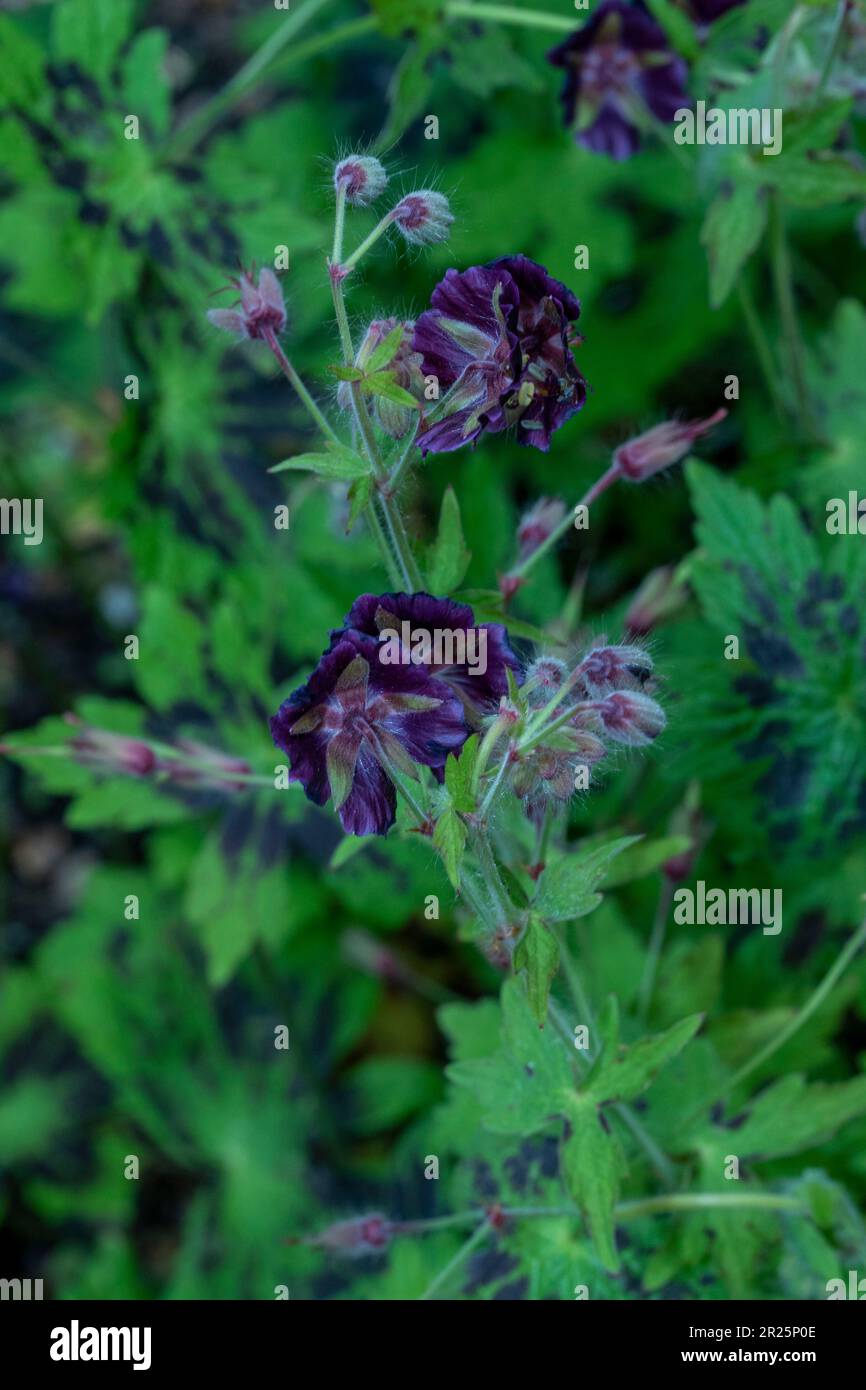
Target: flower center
{"type": "Point", "coordinates": [607, 68]}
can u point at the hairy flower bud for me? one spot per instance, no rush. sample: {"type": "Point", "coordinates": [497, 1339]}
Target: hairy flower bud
{"type": "Point", "coordinates": [405, 369]}
{"type": "Point", "coordinates": [629, 717]}
{"type": "Point", "coordinates": [658, 448]}
{"type": "Point", "coordinates": [538, 524]}
{"type": "Point", "coordinates": [261, 312]}
{"type": "Point", "coordinates": [543, 678]}
{"type": "Point", "coordinates": [362, 177]}
{"type": "Point", "coordinates": [609, 668]}
{"type": "Point", "coordinates": [424, 217]}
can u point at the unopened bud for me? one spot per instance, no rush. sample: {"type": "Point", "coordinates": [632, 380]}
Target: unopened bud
{"type": "Point", "coordinates": [609, 668]}
{"type": "Point", "coordinates": [111, 752]}
{"type": "Point", "coordinates": [543, 678]}
{"type": "Point", "coordinates": [364, 1235]}
{"type": "Point", "coordinates": [630, 717]}
{"type": "Point", "coordinates": [659, 596]}
{"type": "Point", "coordinates": [363, 178]}
{"type": "Point", "coordinates": [538, 524]}
{"type": "Point", "coordinates": [658, 448]}
{"type": "Point", "coordinates": [424, 217]}
{"type": "Point", "coordinates": [262, 309]}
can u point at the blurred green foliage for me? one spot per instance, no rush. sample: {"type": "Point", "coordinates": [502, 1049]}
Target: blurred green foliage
{"type": "Point", "coordinates": [153, 1035]}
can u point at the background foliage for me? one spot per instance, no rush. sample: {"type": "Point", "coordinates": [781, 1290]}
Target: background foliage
{"type": "Point", "coordinates": [155, 1037]}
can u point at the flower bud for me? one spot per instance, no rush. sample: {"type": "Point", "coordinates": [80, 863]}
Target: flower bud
{"type": "Point", "coordinates": [364, 1235]}
{"type": "Point", "coordinates": [629, 717]}
{"type": "Point", "coordinates": [211, 767]}
{"type": "Point", "coordinates": [363, 178]}
{"type": "Point", "coordinates": [610, 668]}
{"type": "Point", "coordinates": [659, 596]}
{"type": "Point", "coordinates": [111, 752]}
{"type": "Point", "coordinates": [424, 217]}
{"type": "Point", "coordinates": [262, 310]}
{"type": "Point", "coordinates": [537, 525]}
{"type": "Point", "coordinates": [405, 368]}
{"type": "Point", "coordinates": [658, 448]}
{"type": "Point", "coordinates": [543, 678]}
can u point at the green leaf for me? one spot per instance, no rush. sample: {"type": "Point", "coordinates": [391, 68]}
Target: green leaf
{"type": "Point", "coordinates": [408, 90]}
{"type": "Point", "coordinates": [21, 65]}
{"type": "Point", "coordinates": [592, 1165]}
{"type": "Point", "coordinates": [449, 838]}
{"type": "Point", "coordinates": [339, 462]}
{"type": "Point", "coordinates": [145, 83]}
{"type": "Point", "coordinates": [386, 350]}
{"type": "Point", "coordinates": [345, 373]}
{"type": "Point", "coordinates": [818, 182]}
{"type": "Point", "coordinates": [90, 32]}
{"type": "Point", "coordinates": [458, 775]}
{"type": "Point", "coordinates": [814, 128]}
{"type": "Point", "coordinates": [383, 384]}
{"type": "Point", "coordinates": [448, 558]}
{"type": "Point", "coordinates": [528, 1082]}
{"type": "Point", "coordinates": [397, 17]}
{"type": "Point", "coordinates": [623, 1074]}
{"type": "Point", "coordinates": [359, 496]}
{"type": "Point", "coordinates": [644, 858]}
{"type": "Point", "coordinates": [385, 1091]}
{"type": "Point", "coordinates": [537, 955]}
{"type": "Point", "coordinates": [567, 888]}
{"type": "Point", "coordinates": [733, 226]}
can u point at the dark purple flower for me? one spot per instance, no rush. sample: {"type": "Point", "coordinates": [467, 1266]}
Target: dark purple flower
{"type": "Point", "coordinates": [441, 637]}
{"type": "Point", "coordinates": [618, 63]}
{"type": "Point", "coordinates": [358, 716]}
{"type": "Point", "coordinates": [498, 339]}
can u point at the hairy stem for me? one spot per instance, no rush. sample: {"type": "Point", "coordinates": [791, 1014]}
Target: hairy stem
{"type": "Point", "coordinates": [599, 486]}
{"type": "Point", "coordinates": [292, 376]}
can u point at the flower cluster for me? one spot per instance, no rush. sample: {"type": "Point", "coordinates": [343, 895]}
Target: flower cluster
{"type": "Point", "coordinates": [603, 700]}
{"type": "Point", "coordinates": [363, 719]}
{"type": "Point", "coordinates": [498, 339]}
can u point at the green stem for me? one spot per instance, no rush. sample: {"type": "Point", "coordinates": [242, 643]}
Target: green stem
{"type": "Point", "coordinates": [510, 14]}
{"type": "Point", "coordinates": [495, 784]}
{"type": "Point", "coordinates": [599, 486]}
{"type": "Point", "coordinates": [781, 268]}
{"type": "Point", "coordinates": [654, 951]}
{"type": "Point", "coordinates": [664, 1169]}
{"type": "Point", "coordinates": [762, 349]}
{"type": "Point", "coordinates": [409, 576]}
{"type": "Point", "coordinates": [202, 120]}
{"type": "Point", "coordinates": [292, 376]}
{"type": "Point", "coordinates": [814, 1002]}
{"type": "Point", "coordinates": [706, 1201]}
{"type": "Point", "coordinates": [457, 1260]}
{"type": "Point", "coordinates": [339, 224]}
{"type": "Point", "coordinates": [492, 879]}
{"type": "Point", "coordinates": [832, 49]}
{"type": "Point", "coordinates": [400, 466]}
{"type": "Point", "coordinates": [361, 250]}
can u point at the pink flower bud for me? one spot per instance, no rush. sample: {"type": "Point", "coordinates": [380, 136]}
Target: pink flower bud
{"type": "Point", "coordinates": [543, 678]}
{"type": "Point", "coordinates": [658, 448]}
{"type": "Point", "coordinates": [629, 717]}
{"type": "Point", "coordinates": [538, 524]}
{"type": "Point", "coordinates": [111, 752]}
{"type": "Point", "coordinates": [424, 217]}
{"type": "Point", "coordinates": [363, 178]}
{"type": "Point", "coordinates": [609, 668]}
{"type": "Point", "coordinates": [659, 596]}
{"type": "Point", "coordinates": [363, 1235]}
{"type": "Point", "coordinates": [262, 310]}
